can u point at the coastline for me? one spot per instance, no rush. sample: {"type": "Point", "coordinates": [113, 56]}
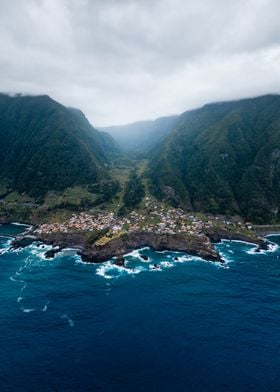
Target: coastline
{"type": "Point", "coordinates": [265, 230]}
{"type": "Point", "coordinates": [201, 245]}
{"type": "Point", "coordinates": [28, 228]}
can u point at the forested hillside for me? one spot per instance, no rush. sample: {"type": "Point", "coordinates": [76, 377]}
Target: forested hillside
{"type": "Point", "coordinates": [223, 158]}
{"type": "Point", "coordinates": [46, 146]}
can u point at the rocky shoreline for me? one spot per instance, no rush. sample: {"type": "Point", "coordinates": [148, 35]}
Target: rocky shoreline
{"type": "Point", "coordinates": [196, 246]}
{"type": "Point", "coordinates": [264, 230]}
{"type": "Point", "coordinates": [201, 245]}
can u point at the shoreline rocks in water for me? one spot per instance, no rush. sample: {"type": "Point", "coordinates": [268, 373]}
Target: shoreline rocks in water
{"type": "Point", "coordinates": [21, 241]}
{"type": "Point", "coordinates": [200, 245]}
{"type": "Point", "coordinates": [125, 243]}
{"type": "Point", "coordinates": [120, 261]}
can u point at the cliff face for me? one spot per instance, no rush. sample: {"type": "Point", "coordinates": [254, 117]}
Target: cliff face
{"type": "Point", "coordinates": [216, 235]}
{"type": "Point", "coordinates": [201, 245]}
{"type": "Point", "coordinates": [64, 240]}
{"type": "Point", "coordinates": [198, 246]}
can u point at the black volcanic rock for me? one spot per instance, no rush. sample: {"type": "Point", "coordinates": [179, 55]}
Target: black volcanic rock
{"type": "Point", "coordinates": [198, 246]}
{"type": "Point", "coordinates": [263, 245]}
{"type": "Point", "coordinates": [120, 261]}
{"type": "Point", "coordinates": [51, 253]}
{"type": "Point", "coordinates": [23, 241]}
{"type": "Point", "coordinates": [216, 235]}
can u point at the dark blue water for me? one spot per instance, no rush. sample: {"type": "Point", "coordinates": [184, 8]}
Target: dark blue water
{"type": "Point", "coordinates": [189, 326]}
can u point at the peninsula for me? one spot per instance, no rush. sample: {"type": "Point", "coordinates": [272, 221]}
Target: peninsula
{"type": "Point", "coordinates": [103, 235]}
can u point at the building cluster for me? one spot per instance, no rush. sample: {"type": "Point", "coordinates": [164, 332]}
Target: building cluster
{"type": "Point", "coordinates": [80, 222]}
{"type": "Point", "coordinates": [152, 217]}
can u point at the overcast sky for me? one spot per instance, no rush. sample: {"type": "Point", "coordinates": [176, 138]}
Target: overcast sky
{"type": "Point", "coordinates": [126, 60]}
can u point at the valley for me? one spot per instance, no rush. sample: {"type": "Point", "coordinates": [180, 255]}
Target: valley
{"type": "Point", "coordinates": [192, 186]}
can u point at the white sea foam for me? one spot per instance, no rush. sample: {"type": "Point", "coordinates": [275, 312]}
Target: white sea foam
{"type": "Point", "coordinates": [39, 251]}
{"type": "Point", "coordinates": [68, 252]}
{"type": "Point", "coordinates": [145, 261]}
{"type": "Point", "coordinates": [167, 251]}
{"type": "Point", "coordinates": [18, 277]}
{"type": "Point", "coordinates": [27, 310]}
{"type": "Point", "coordinates": [8, 237]}
{"type": "Point", "coordinates": [134, 253]}
{"type": "Point", "coordinates": [20, 224]}
{"type": "Point", "coordinates": [153, 268]}
{"type": "Point", "coordinates": [6, 245]}
{"type": "Point", "coordinates": [80, 261]}
{"type": "Point", "coordinates": [166, 264]}
{"type": "Point", "coordinates": [45, 308]}
{"type": "Point", "coordinates": [3, 251]}
{"type": "Point", "coordinates": [182, 259]}
{"type": "Point", "coordinates": [238, 241]}
{"type": "Point", "coordinates": [272, 247]}
{"type": "Point", "coordinates": [65, 316]}
{"type": "Point", "coordinates": [252, 251]}
{"type": "Point", "coordinates": [137, 253]}
{"type": "Point", "coordinates": [221, 265]}
{"type": "Point", "coordinates": [226, 258]}
{"type": "Point", "coordinates": [109, 271]}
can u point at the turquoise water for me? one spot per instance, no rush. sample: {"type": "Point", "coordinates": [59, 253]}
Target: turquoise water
{"type": "Point", "coordinates": [190, 325]}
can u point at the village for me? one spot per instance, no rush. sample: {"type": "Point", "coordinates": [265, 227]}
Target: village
{"type": "Point", "coordinates": [152, 217]}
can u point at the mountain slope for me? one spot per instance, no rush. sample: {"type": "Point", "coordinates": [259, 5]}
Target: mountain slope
{"type": "Point", "coordinates": [142, 136]}
{"type": "Point", "coordinates": [46, 146]}
{"type": "Point", "coordinates": [106, 142]}
{"type": "Point", "coordinates": [224, 158]}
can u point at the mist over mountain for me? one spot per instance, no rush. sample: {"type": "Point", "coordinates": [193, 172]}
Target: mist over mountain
{"type": "Point", "coordinates": [46, 146]}
{"type": "Point", "coordinates": [223, 158]}
{"type": "Point", "coordinates": [142, 136]}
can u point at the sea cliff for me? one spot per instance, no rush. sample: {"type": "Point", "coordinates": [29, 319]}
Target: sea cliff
{"type": "Point", "coordinates": [95, 253]}
{"type": "Point", "coordinates": [201, 245]}
{"type": "Point", "coordinates": [197, 246]}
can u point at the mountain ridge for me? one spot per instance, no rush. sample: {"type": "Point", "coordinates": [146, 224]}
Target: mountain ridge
{"type": "Point", "coordinates": [47, 146]}
{"type": "Point", "coordinates": [222, 158]}
{"type": "Point", "coordinates": [141, 136]}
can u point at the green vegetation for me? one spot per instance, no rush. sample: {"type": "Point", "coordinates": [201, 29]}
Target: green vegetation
{"type": "Point", "coordinates": [48, 147]}
{"type": "Point", "coordinates": [71, 198]}
{"type": "Point", "coordinates": [223, 158]}
{"type": "Point", "coordinates": [133, 193]}
{"type": "Point", "coordinates": [96, 235]}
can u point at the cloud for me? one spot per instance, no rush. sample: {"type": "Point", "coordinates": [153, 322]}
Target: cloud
{"type": "Point", "coordinates": [127, 60]}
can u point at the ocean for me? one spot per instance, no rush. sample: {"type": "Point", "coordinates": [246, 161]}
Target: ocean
{"type": "Point", "coordinates": [189, 325]}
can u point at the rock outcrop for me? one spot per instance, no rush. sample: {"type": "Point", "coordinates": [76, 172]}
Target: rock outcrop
{"type": "Point", "coordinates": [200, 245]}
{"type": "Point", "coordinates": [197, 246]}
